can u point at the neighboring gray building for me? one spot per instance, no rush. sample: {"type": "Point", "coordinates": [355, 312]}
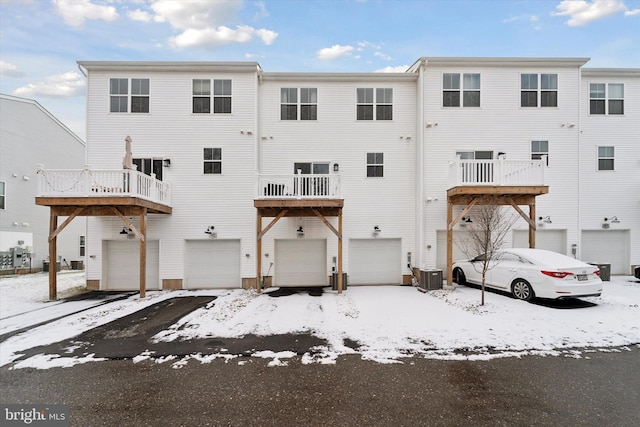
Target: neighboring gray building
{"type": "Point", "coordinates": [31, 136]}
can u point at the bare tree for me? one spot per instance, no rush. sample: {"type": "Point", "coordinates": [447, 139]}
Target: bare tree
{"type": "Point", "coordinates": [491, 224]}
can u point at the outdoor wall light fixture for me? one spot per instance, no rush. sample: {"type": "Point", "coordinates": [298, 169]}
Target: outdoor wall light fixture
{"type": "Point", "coordinates": [466, 219]}
{"type": "Point", "coordinates": [612, 220]}
{"type": "Point", "coordinates": [336, 167]}
{"type": "Point", "coordinates": [167, 163]}
{"type": "Point", "coordinates": [545, 219]}
{"type": "Point", "coordinates": [211, 231]}
{"type": "Point", "coordinates": [300, 231]}
{"type": "Point", "coordinates": [376, 230]}
{"type": "Point", "coordinates": [125, 231]}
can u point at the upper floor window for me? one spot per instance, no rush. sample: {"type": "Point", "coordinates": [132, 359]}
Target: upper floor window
{"type": "Point", "coordinates": [606, 99]}
{"type": "Point", "coordinates": [222, 96]}
{"type": "Point", "coordinates": [538, 90]}
{"type": "Point", "coordinates": [451, 90]}
{"type": "Point", "coordinates": [380, 107]}
{"type": "Point", "coordinates": [119, 95]}
{"type": "Point", "coordinates": [201, 91]}
{"type": "Point", "coordinates": [149, 166]}
{"type": "Point", "coordinates": [213, 161]}
{"type": "Point", "coordinates": [3, 195]}
{"type": "Point", "coordinates": [606, 158]}
{"type": "Point", "coordinates": [375, 164]}
{"type": "Point", "coordinates": [306, 104]}
{"type": "Point", "coordinates": [540, 149]}
{"type": "Point", "coordinates": [201, 96]}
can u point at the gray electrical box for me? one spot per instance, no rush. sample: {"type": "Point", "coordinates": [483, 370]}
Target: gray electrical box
{"type": "Point", "coordinates": [430, 279]}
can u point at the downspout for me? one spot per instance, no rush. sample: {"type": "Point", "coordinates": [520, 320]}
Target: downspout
{"type": "Point", "coordinates": [258, 131]}
{"type": "Point", "coordinates": [420, 215]}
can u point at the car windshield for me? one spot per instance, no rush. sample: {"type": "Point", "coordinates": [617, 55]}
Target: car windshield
{"type": "Point", "coordinates": [479, 258]}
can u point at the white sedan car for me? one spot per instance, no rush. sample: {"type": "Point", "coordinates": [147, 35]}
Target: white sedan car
{"type": "Point", "coordinates": [532, 273]}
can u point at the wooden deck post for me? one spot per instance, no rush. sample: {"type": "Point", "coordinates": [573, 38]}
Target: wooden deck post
{"type": "Point", "coordinates": [143, 253]}
{"type": "Point", "coordinates": [53, 255]}
{"type": "Point", "coordinates": [340, 284]}
{"type": "Point", "coordinates": [532, 230]}
{"type": "Point", "coordinates": [258, 251]}
{"type": "Point", "coordinates": [449, 244]}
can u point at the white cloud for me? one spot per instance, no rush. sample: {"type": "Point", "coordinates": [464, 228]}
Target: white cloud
{"type": "Point", "coordinates": [220, 36]}
{"type": "Point", "coordinates": [9, 70]}
{"type": "Point", "coordinates": [267, 36]}
{"type": "Point", "coordinates": [382, 56]}
{"type": "Point", "coordinates": [202, 23]}
{"type": "Point", "coordinates": [57, 86]}
{"type": "Point", "coordinates": [74, 12]}
{"type": "Point", "coordinates": [334, 52]}
{"type": "Point", "coordinates": [582, 12]}
{"type": "Point", "coordinates": [633, 12]}
{"type": "Point", "coordinates": [139, 15]}
{"type": "Point", "coordinates": [390, 69]}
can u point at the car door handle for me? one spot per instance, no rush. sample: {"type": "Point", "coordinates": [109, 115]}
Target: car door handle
{"type": "Point", "coordinates": [513, 269]}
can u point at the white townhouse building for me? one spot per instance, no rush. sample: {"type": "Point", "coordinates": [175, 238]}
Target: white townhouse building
{"type": "Point", "coordinates": [243, 173]}
{"type": "Point", "coordinates": [30, 136]}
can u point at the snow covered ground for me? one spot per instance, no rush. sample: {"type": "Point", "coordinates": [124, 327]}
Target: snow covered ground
{"type": "Point", "coordinates": [388, 323]}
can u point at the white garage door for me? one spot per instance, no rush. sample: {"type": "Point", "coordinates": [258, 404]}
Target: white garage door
{"type": "Point", "coordinates": [212, 264]}
{"type": "Point", "coordinates": [375, 261]}
{"type": "Point", "coordinates": [551, 240]}
{"type": "Point", "coordinates": [301, 262]}
{"type": "Point", "coordinates": [122, 264]}
{"type": "Point", "coordinates": [607, 247]}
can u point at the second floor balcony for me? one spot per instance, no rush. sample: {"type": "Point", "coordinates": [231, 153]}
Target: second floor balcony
{"type": "Point", "coordinates": [500, 172]}
{"type": "Point", "coordinates": [299, 186]}
{"type": "Point", "coordinates": [102, 186]}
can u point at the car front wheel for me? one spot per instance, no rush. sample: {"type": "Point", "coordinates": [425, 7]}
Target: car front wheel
{"type": "Point", "coordinates": [458, 277]}
{"type": "Point", "coordinates": [521, 289]}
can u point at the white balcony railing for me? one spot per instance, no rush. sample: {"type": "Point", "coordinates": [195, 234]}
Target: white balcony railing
{"type": "Point", "coordinates": [102, 183]}
{"type": "Point", "coordinates": [499, 172]}
{"type": "Point", "coordinates": [299, 186]}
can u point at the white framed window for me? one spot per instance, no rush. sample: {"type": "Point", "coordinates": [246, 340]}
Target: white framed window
{"type": "Point", "coordinates": [375, 165]}
{"type": "Point", "coordinates": [222, 96]}
{"type": "Point", "coordinates": [538, 90]}
{"type": "Point", "coordinates": [453, 91]}
{"type": "Point", "coordinates": [606, 158]}
{"type": "Point", "coordinates": [294, 107]}
{"type": "Point", "coordinates": [201, 92]}
{"type": "Point", "coordinates": [82, 245]}
{"type": "Point", "coordinates": [606, 98]}
{"type": "Point", "coordinates": [540, 149]}
{"type": "Point", "coordinates": [121, 100]}
{"type": "Point", "coordinates": [202, 96]}
{"type": "Point", "coordinates": [212, 161]}
{"type": "Point", "coordinates": [3, 195]}
{"type": "Point", "coordinates": [370, 108]}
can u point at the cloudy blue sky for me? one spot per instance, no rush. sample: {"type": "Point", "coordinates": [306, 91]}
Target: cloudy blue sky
{"type": "Point", "coordinates": [41, 40]}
